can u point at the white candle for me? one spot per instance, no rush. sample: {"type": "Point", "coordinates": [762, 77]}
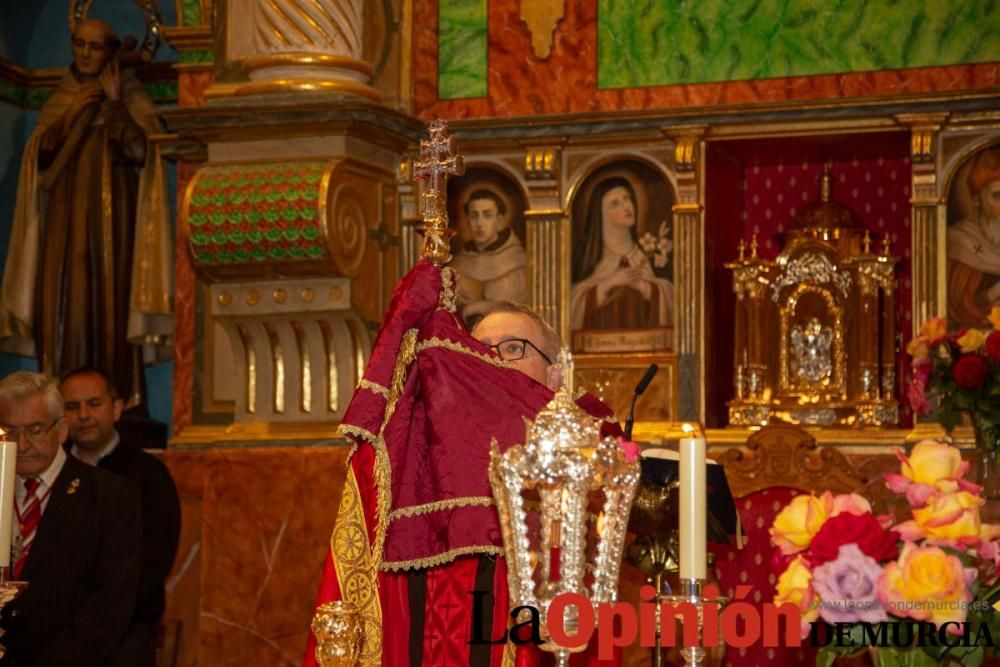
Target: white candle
{"type": "Point", "coordinates": [692, 506]}
{"type": "Point", "coordinates": [8, 462]}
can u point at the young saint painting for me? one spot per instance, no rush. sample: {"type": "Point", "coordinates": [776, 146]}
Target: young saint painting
{"type": "Point", "coordinates": [620, 268]}
{"type": "Point", "coordinates": [490, 257]}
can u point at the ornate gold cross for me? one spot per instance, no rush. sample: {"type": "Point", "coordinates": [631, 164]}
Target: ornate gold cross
{"type": "Point", "coordinates": [438, 160]}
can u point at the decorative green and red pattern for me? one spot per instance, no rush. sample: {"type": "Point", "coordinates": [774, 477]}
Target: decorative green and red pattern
{"type": "Point", "coordinates": [248, 213]}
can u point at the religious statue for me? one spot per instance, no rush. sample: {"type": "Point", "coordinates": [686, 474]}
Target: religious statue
{"type": "Point", "coordinates": [614, 285]}
{"type": "Point", "coordinates": [974, 245]}
{"type": "Point", "coordinates": [811, 362]}
{"type": "Point", "coordinates": [492, 264]}
{"type": "Point", "coordinates": [88, 278]}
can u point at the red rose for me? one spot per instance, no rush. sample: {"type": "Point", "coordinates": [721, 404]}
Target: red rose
{"type": "Point", "coordinates": [992, 346]}
{"type": "Point", "coordinates": [846, 528]}
{"type": "Point", "coordinates": [970, 371]}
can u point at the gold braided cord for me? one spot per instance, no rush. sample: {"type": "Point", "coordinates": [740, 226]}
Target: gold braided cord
{"type": "Point", "coordinates": [347, 430]}
{"type": "Point", "coordinates": [448, 297]}
{"type": "Point", "coordinates": [438, 505]}
{"type": "Point", "coordinates": [458, 347]}
{"type": "Point", "coordinates": [356, 571]}
{"type": "Point", "coordinates": [374, 387]}
{"type": "Point", "coordinates": [383, 470]}
{"type": "Point", "coordinates": [442, 558]}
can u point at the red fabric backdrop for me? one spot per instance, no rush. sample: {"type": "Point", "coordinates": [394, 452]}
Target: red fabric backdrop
{"type": "Point", "coordinates": [772, 180]}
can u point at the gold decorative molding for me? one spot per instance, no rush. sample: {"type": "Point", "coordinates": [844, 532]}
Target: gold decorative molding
{"type": "Point", "coordinates": [185, 39]}
{"type": "Point", "coordinates": [541, 17]}
{"type": "Point", "coordinates": [541, 163]}
{"type": "Point", "coordinates": [923, 134]}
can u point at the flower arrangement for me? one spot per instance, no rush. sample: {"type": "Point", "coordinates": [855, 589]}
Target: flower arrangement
{"type": "Point", "coordinates": [843, 565]}
{"type": "Point", "coordinates": [963, 371]}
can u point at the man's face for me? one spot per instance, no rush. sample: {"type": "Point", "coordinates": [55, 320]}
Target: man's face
{"type": "Point", "coordinates": [39, 435]}
{"type": "Point", "coordinates": [618, 208]}
{"type": "Point", "coordinates": [90, 48]}
{"type": "Point", "coordinates": [485, 221]}
{"type": "Point", "coordinates": [989, 198]}
{"type": "Point", "coordinates": [91, 413]}
{"type": "Point", "coordinates": [499, 327]}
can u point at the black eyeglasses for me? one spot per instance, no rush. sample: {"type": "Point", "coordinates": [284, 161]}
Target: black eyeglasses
{"type": "Point", "coordinates": [513, 349]}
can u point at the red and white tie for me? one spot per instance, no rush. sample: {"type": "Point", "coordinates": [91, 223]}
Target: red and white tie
{"type": "Point", "coordinates": [28, 517]}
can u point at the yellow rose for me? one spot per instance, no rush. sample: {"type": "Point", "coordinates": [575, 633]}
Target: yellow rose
{"type": "Point", "coordinates": [934, 330]}
{"type": "Point", "coordinates": [994, 317]}
{"type": "Point", "coordinates": [926, 584]}
{"type": "Point", "coordinates": [950, 516]}
{"type": "Point", "coordinates": [931, 461]}
{"type": "Point", "coordinates": [971, 340]}
{"type": "Point", "coordinates": [917, 348]}
{"type": "Point", "coordinates": [795, 526]}
{"type": "Point", "coordinates": [795, 587]}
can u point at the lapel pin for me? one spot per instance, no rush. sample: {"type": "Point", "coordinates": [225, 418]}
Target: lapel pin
{"type": "Point", "coordinates": [72, 486]}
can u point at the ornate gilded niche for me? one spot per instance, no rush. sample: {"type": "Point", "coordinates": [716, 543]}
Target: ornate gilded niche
{"type": "Point", "coordinates": [815, 334]}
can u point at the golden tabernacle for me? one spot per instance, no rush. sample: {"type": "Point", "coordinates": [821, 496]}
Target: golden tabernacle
{"type": "Point", "coordinates": [815, 336]}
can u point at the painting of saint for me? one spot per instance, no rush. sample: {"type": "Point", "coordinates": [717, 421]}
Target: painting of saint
{"type": "Point", "coordinates": [621, 263]}
{"type": "Point", "coordinates": [973, 246]}
{"type": "Point", "coordinates": [490, 258]}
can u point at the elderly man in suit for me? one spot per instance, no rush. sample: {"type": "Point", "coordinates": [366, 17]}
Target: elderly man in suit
{"type": "Point", "coordinates": [77, 540]}
{"type": "Point", "coordinates": [93, 408]}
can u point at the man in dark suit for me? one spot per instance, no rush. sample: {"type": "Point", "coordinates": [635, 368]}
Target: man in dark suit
{"type": "Point", "coordinates": [77, 539]}
{"type": "Point", "coordinates": [92, 409]}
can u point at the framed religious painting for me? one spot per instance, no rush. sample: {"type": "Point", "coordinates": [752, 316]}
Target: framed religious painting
{"type": "Point", "coordinates": [622, 287]}
{"type": "Point", "coordinates": [486, 207]}
{"type": "Point", "coordinates": [973, 239]}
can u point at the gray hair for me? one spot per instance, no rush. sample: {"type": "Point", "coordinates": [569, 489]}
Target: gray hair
{"type": "Point", "coordinates": [22, 384]}
{"type": "Point", "coordinates": [551, 343]}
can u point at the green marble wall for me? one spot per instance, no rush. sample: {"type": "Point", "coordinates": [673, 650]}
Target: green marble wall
{"type": "Point", "coordinates": [662, 42]}
{"type": "Point", "coordinates": [462, 49]}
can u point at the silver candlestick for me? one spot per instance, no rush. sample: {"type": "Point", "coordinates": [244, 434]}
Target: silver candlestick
{"type": "Point", "coordinates": [692, 592]}
{"type": "Point", "coordinates": [9, 590]}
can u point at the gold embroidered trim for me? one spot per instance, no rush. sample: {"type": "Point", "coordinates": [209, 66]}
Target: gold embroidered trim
{"type": "Point", "coordinates": [356, 572]}
{"type": "Point", "coordinates": [446, 299]}
{"type": "Point", "coordinates": [442, 558]}
{"type": "Point", "coordinates": [456, 347]}
{"type": "Point", "coordinates": [358, 432]}
{"type": "Point", "coordinates": [383, 471]}
{"type": "Point", "coordinates": [374, 387]}
{"type": "Point", "coordinates": [438, 505]}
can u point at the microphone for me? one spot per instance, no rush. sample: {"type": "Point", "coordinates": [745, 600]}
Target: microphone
{"type": "Point", "coordinates": [639, 390]}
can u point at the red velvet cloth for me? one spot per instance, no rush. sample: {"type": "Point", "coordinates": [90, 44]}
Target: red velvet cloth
{"type": "Point", "coordinates": [453, 403]}
{"type": "Point", "coordinates": [758, 564]}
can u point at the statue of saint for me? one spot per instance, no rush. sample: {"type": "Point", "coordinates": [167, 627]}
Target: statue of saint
{"type": "Point", "coordinates": [974, 247]}
{"type": "Point", "coordinates": [811, 361]}
{"type": "Point", "coordinates": [89, 274]}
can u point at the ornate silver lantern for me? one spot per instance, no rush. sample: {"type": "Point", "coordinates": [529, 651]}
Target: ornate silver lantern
{"type": "Point", "coordinates": [546, 492]}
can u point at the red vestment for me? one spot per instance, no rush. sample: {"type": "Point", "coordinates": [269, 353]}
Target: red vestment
{"type": "Point", "coordinates": [417, 530]}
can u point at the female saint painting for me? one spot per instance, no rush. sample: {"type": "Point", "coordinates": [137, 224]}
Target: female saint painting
{"type": "Point", "coordinates": [622, 252]}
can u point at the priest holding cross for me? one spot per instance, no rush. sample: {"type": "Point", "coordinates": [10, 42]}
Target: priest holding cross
{"type": "Point", "coordinates": [417, 531]}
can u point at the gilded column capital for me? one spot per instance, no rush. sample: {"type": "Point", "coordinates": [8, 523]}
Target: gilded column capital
{"type": "Point", "coordinates": [686, 139]}
{"type": "Point", "coordinates": [923, 134]}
